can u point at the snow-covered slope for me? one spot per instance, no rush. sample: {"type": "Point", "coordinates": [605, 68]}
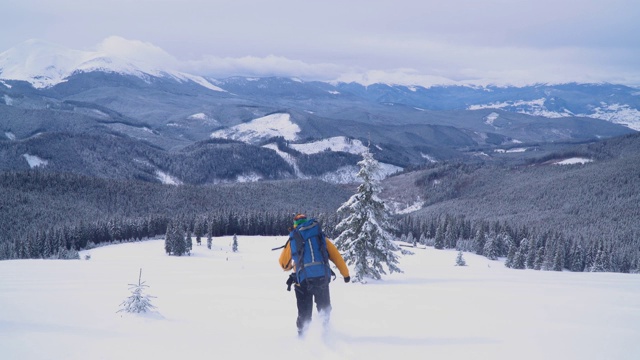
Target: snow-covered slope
{"type": "Point", "coordinates": [533, 107]}
{"type": "Point", "coordinates": [613, 112]}
{"type": "Point", "coordinates": [225, 305]}
{"type": "Point", "coordinates": [273, 125]}
{"type": "Point", "coordinates": [44, 64]}
{"type": "Point", "coordinates": [618, 114]}
{"type": "Point", "coordinates": [338, 143]}
{"type": "Point", "coordinates": [343, 175]}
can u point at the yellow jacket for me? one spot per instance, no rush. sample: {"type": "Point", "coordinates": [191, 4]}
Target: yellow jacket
{"type": "Point", "coordinates": [286, 261]}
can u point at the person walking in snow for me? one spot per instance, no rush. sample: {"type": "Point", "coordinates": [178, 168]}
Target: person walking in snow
{"type": "Point", "coordinates": [307, 253]}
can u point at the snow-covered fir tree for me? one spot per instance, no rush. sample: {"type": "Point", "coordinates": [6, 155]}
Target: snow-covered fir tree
{"type": "Point", "coordinates": [479, 241]}
{"type": "Point", "coordinates": [600, 261]}
{"type": "Point", "coordinates": [365, 232]}
{"type": "Point", "coordinates": [138, 301]}
{"type": "Point", "coordinates": [423, 239]}
{"type": "Point", "coordinates": [512, 254]}
{"type": "Point", "coordinates": [490, 249]}
{"type": "Point", "coordinates": [537, 265]}
{"type": "Point", "coordinates": [460, 259]}
{"type": "Point", "coordinates": [175, 242]}
{"type": "Point", "coordinates": [520, 257]}
{"type": "Point", "coordinates": [577, 263]}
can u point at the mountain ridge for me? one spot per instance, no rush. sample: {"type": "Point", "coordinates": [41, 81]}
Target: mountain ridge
{"type": "Point", "coordinates": [45, 65]}
{"type": "Point", "coordinates": [404, 126]}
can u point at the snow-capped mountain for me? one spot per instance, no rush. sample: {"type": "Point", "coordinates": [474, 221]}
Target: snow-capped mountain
{"type": "Point", "coordinates": [128, 89]}
{"type": "Point", "coordinates": [45, 65]}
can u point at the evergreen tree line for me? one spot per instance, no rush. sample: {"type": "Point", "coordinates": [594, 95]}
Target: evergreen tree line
{"type": "Point", "coordinates": [525, 247]}
{"type": "Point", "coordinates": [36, 201]}
{"type": "Point", "coordinates": [64, 241]}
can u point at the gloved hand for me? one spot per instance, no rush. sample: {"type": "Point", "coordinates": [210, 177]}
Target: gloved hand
{"type": "Point", "coordinates": [290, 281]}
{"type": "Point", "coordinates": [347, 279]}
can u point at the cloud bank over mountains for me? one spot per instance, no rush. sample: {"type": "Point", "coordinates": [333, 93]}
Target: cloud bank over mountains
{"type": "Point", "coordinates": [406, 43]}
{"type": "Point", "coordinates": [37, 56]}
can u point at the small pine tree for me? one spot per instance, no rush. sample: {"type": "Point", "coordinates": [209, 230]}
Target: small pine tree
{"type": "Point", "coordinates": [234, 246]}
{"type": "Point", "coordinates": [209, 241]}
{"type": "Point", "coordinates": [137, 302]}
{"type": "Point", "coordinates": [460, 260]}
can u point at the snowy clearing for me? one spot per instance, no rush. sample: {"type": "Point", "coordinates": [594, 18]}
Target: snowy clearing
{"type": "Point", "coordinates": [514, 150]}
{"type": "Point", "coordinates": [489, 119]}
{"type": "Point", "coordinates": [572, 161]}
{"type": "Point", "coordinates": [265, 127]}
{"type": "Point", "coordinates": [338, 143]}
{"type": "Point", "coordinates": [220, 304]}
{"type": "Point", "coordinates": [35, 161]}
{"type": "Point", "coordinates": [167, 179]}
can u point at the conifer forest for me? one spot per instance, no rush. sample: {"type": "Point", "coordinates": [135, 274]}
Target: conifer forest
{"type": "Point", "coordinates": [573, 218]}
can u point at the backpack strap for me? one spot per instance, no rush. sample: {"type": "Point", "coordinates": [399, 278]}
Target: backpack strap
{"type": "Point", "coordinates": [299, 239]}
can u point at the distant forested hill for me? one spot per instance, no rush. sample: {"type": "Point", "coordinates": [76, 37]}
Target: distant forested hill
{"type": "Point", "coordinates": [592, 205]}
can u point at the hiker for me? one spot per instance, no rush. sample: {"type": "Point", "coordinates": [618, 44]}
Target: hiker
{"type": "Point", "coordinates": [307, 253]}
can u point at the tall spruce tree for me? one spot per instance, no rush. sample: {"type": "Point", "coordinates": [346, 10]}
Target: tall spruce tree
{"type": "Point", "coordinates": [365, 232]}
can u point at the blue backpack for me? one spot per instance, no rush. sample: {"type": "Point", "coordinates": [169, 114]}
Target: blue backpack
{"type": "Point", "coordinates": [309, 252]}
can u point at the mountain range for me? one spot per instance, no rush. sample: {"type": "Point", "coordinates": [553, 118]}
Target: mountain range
{"type": "Point", "coordinates": [114, 136]}
{"type": "Point", "coordinates": [104, 114]}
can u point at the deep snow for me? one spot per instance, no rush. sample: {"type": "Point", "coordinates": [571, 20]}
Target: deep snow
{"type": "Point", "coordinates": [224, 305]}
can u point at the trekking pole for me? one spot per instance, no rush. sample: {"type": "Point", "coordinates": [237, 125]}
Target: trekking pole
{"type": "Point", "coordinates": [280, 247]}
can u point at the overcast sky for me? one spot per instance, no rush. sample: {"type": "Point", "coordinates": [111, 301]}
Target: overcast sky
{"type": "Point", "coordinates": [419, 42]}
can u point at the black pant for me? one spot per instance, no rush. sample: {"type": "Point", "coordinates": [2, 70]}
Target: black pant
{"type": "Point", "coordinates": [308, 291]}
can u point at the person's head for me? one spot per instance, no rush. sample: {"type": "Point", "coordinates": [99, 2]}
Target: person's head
{"type": "Point", "coordinates": [299, 219]}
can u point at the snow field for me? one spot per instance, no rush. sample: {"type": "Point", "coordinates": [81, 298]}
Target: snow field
{"type": "Point", "coordinates": [221, 304]}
